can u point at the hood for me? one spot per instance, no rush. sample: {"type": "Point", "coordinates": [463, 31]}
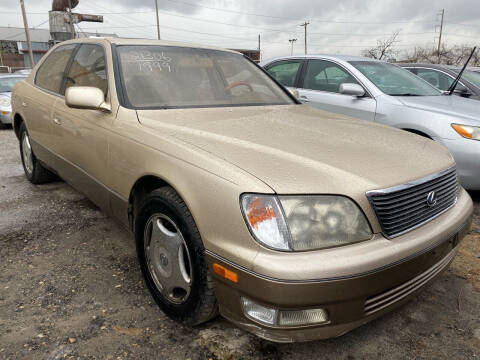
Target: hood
{"type": "Point", "coordinates": [297, 149]}
{"type": "Point", "coordinates": [450, 105]}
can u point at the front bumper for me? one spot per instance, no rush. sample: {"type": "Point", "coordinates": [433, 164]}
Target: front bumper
{"type": "Point", "coordinates": [350, 300]}
{"type": "Point", "coordinates": [466, 153]}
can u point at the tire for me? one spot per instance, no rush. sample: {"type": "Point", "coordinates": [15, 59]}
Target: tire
{"type": "Point", "coordinates": [34, 171]}
{"type": "Point", "coordinates": [169, 243]}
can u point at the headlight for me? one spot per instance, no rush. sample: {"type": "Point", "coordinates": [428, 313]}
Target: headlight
{"type": "Point", "coordinates": [467, 131]}
{"type": "Point", "coordinates": [4, 101]}
{"type": "Point", "coordinates": [298, 223]}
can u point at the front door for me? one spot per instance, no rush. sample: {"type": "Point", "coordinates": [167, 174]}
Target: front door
{"type": "Point", "coordinates": [320, 88]}
{"type": "Point", "coordinates": [83, 134]}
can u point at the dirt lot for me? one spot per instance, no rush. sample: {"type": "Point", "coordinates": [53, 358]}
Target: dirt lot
{"type": "Point", "coordinates": [70, 287]}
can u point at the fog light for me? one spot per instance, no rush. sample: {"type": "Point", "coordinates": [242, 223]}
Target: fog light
{"type": "Point", "coordinates": [283, 318]}
{"type": "Point", "coordinates": [302, 317]}
{"type": "Point", "coordinates": [259, 312]}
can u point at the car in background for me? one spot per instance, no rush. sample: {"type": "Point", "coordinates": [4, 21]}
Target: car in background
{"type": "Point", "coordinates": [23, 72]}
{"type": "Point", "coordinates": [7, 81]}
{"type": "Point", "coordinates": [295, 224]}
{"type": "Point", "coordinates": [381, 92]}
{"type": "Point", "coordinates": [442, 77]}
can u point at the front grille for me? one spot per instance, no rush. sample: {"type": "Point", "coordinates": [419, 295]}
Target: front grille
{"type": "Point", "coordinates": [405, 207]}
{"type": "Point", "coordinates": [387, 298]}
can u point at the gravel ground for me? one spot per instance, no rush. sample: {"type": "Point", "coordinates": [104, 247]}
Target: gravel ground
{"type": "Point", "coordinates": [70, 287]}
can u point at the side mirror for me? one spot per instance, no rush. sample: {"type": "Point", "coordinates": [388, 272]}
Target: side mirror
{"type": "Point", "coordinates": [86, 97]}
{"type": "Point", "coordinates": [351, 89]}
{"type": "Point", "coordinates": [462, 91]}
{"type": "Point", "coordinates": [294, 92]}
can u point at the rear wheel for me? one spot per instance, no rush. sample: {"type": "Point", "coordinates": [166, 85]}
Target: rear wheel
{"type": "Point", "coordinates": [171, 256]}
{"type": "Point", "coordinates": [34, 171]}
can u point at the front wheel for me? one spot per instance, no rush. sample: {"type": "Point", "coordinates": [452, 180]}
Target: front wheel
{"type": "Point", "coordinates": [34, 171]}
{"type": "Point", "coordinates": [171, 256]}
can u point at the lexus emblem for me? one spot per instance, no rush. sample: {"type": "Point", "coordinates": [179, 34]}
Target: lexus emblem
{"type": "Point", "coordinates": [431, 198]}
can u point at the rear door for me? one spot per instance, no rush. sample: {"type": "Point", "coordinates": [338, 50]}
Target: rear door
{"type": "Point", "coordinates": [319, 87]}
{"type": "Point", "coordinates": [38, 107]}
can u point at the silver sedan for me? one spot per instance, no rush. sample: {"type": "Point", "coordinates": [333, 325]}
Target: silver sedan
{"type": "Point", "coordinates": [6, 84]}
{"type": "Point", "coordinates": [385, 93]}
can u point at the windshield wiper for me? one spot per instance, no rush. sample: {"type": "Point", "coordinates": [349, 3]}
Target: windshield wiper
{"type": "Point", "coordinates": [452, 87]}
{"type": "Point", "coordinates": [406, 94]}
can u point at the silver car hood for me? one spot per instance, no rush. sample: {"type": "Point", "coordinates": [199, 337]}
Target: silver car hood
{"type": "Point", "coordinates": [454, 106]}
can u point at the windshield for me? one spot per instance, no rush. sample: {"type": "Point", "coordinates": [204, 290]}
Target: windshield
{"type": "Point", "coordinates": [6, 83]}
{"type": "Point", "coordinates": [394, 80]}
{"type": "Point", "coordinates": [179, 77]}
{"type": "Point", "coordinates": [472, 76]}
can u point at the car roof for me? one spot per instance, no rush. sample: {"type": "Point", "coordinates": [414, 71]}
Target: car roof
{"type": "Point", "coordinates": [344, 58]}
{"type": "Point", "coordinates": [133, 41]}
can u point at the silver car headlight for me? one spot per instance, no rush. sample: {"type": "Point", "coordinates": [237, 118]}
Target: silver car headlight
{"type": "Point", "coordinates": [4, 101]}
{"type": "Point", "coordinates": [467, 131]}
{"type": "Point", "coordinates": [299, 223]}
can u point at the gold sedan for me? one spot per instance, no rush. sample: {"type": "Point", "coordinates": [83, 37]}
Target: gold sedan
{"type": "Point", "coordinates": [294, 223]}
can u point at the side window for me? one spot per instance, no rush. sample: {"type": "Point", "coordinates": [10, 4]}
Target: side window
{"type": "Point", "coordinates": [50, 74]}
{"type": "Point", "coordinates": [285, 72]}
{"type": "Point", "coordinates": [436, 78]}
{"type": "Point", "coordinates": [326, 76]}
{"type": "Point", "coordinates": [88, 68]}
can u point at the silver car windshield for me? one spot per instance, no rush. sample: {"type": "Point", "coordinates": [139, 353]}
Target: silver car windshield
{"type": "Point", "coordinates": [181, 77]}
{"type": "Point", "coordinates": [393, 80]}
{"type": "Point", "coordinates": [7, 83]}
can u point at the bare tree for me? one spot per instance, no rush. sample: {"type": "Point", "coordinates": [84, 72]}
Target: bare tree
{"type": "Point", "coordinates": [449, 55]}
{"type": "Point", "coordinates": [384, 49]}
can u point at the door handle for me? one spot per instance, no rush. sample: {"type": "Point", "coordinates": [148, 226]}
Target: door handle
{"type": "Point", "coordinates": [57, 121]}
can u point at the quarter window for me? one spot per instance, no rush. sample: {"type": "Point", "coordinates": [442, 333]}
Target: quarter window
{"type": "Point", "coordinates": [88, 68]}
{"type": "Point", "coordinates": [50, 74]}
{"type": "Point", "coordinates": [285, 72]}
{"type": "Point", "coordinates": [326, 76]}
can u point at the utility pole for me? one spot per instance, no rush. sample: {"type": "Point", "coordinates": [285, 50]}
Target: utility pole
{"type": "Point", "coordinates": [259, 51]}
{"type": "Point", "coordinates": [72, 29]}
{"type": "Point", "coordinates": [27, 34]}
{"type": "Point", "coordinates": [442, 12]}
{"type": "Point", "coordinates": [158, 20]}
{"type": "Point", "coordinates": [305, 26]}
{"type": "Point", "coordinates": [291, 43]}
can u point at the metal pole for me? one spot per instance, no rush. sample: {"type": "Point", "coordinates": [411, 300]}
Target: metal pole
{"type": "Point", "coordinates": [72, 29]}
{"type": "Point", "coordinates": [27, 34]}
{"type": "Point", "coordinates": [442, 12]}
{"type": "Point", "coordinates": [158, 20]}
{"type": "Point", "coordinates": [259, 51]}
{"type": "Point", "coordinates": [305, 26]}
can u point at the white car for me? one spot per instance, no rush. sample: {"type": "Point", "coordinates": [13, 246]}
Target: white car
{"type": "Point", "coordinates": [7, 81]}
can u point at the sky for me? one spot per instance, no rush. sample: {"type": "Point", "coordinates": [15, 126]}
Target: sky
{"type": "Point", "coordinates": [336, 26]}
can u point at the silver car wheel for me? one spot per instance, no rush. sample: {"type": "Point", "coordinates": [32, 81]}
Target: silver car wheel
{"type": "Point", "coordinates": [168, 258]}
{"type": "Point", "coordinates": [27, 154]}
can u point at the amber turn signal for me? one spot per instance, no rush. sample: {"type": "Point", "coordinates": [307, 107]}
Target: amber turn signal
{"type": "Point", "coordinates": [225, 273]}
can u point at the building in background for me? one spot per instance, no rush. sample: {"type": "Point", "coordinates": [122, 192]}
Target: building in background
{"type": "Point", "coordinates": [14, 49]}
{"type": "Point", "coordinates": [252, 54]}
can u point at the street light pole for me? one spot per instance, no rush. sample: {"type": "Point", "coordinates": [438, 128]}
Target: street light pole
{"type": "Point", "coordinates": [292, 41]}
{"type": "Point", "coordinates": [27, 34]}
